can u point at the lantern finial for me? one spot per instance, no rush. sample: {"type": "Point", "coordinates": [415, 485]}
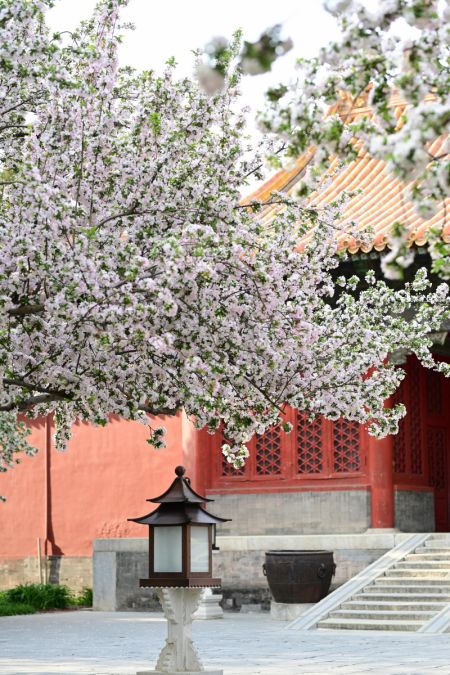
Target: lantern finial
{"type": "Point", "coordinates": [180, 471]}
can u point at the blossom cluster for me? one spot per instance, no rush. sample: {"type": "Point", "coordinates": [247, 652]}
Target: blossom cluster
{"type": "Point", "coordinates": [254, 58]}
{"type": "Point", "coordinates": [388, 51]}
{"type": "Point", "coordinates": [134, 282]}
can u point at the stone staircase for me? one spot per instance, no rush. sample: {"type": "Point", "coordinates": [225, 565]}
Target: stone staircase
{"type": "Point", "coordinates": [406, 597]}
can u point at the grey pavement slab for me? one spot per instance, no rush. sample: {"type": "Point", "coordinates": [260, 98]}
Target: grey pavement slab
{"type": "Point", "coordinates": [120, 643]}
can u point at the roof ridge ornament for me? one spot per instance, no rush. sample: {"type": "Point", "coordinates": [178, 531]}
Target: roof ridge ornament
{"type": "Point", "coordinates": [180, 491]}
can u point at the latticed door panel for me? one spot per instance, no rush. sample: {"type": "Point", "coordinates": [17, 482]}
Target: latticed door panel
{"type": "Point", "coordinates": [409, 443]}
{"type": "Point", "coordinates": [346, 447]}
{"type": "Point", "coordinates": [434, 393]}
{"type": "Point", "coordinates": [437, 449]}
{"type": "Point", "coordinates": [310, 445]}
{"type": "Point", "coordinates": [415, 419]}
{"type": "Point", "coordinates": [268, 453]}
{"type": "Point", "coordinates": [421, 448]}
{"type": "Point", "coordinates": [399, 440]}
{"type": "Point", "coordinates": [437, 429]}
{"type": "Point", "coordinates": [438, 461]}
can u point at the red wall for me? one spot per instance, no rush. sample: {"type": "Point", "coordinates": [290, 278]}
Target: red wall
{"type": "Point", "coordinates": [68, 499]}
{"type": "Point", "coordinates": [22, 516]}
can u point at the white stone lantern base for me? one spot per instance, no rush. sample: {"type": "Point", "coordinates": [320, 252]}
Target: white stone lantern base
{"type": "Point", "coordinates": [179, 656]}
{"type": "Point", "coordinates": [209, 607]}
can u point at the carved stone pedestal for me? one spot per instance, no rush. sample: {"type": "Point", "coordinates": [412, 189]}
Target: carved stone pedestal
{"type": "Point", "coordinates": [209, 607]}
{"type": "Point", "coordinates": [179, 656]}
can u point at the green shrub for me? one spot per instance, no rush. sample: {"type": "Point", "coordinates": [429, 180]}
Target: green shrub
{"type": "Point", "coordinates": [40, 596]}
{"type": "Point", "coordinates": [83, 599]}
{"type": "Point", "coordinates": [12, 608]}
{"type": "Point", "coordinates": [28, 598]}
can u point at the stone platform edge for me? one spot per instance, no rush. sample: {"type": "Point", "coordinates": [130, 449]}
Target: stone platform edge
{"type": "Point", "coordinates": [364, 540]}
{"type": "Point", "coordinates": [180, 672]}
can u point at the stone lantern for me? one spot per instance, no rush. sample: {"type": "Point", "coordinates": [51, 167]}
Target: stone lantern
{"type": "Point", "coordinates": [181, 539]}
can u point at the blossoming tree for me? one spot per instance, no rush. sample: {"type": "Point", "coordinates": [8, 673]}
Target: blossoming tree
{"type": "Point", "coordinates": [134, 282]}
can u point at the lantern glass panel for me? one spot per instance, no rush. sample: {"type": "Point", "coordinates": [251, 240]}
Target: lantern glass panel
{"type": "Point", "coordinates": [199, 548]}
{"type": "Point", "coordinates": [167, 549]}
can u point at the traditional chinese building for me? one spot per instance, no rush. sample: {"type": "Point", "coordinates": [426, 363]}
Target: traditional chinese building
{"type": "Point", "coordinates": [323, 485]}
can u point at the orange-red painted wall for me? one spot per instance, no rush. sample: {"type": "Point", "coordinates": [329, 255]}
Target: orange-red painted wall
{"type": "Point", "coordinates": [22, 516]}
{"type": "Point", "coordinates": [68, 499]}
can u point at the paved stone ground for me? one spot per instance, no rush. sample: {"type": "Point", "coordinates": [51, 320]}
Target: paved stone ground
{"type": "Point", "coordinates": [106, 643]}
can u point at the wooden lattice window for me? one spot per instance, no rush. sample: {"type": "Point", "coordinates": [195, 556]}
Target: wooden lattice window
{"type": "Point", "coordinates": [309, 438]}
{"type": "Point", "coordinates": [315, 449]}
{"type": "Point", "coordinates": [268, 453]}
{"type": "Point", "coordinates": [227, 468]}
{"type": "Point", "coordinates": [346, 447]}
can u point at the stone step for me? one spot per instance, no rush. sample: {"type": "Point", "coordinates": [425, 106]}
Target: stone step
{"type": "Point", "coordinates": [435, 543]}
{"type": "Point", "coordinates": [405, 597]}
{"type": "Point", "coordinates": [393, 589]}
{"type": "Point", "coordinates": [418, 573]}
{"type": "Point", "coordinates": [381, 614]}
{"type": "Point", "coordinates": [411, 596]}
{"type": "Point", "coordinates": [428, 556]}
{"type": "Point", "coordinates": [370, 624]}
{"type": "Point", "coordinates": [393, 605]}
{"type": "Point", "coordinates": [438, 550]}
{"type": "Point", "coordinates": [413, 582]}
{"type": "Point", "coordinates": [432, 549]}
{"type": "Point", "coordinates": [413, 563]}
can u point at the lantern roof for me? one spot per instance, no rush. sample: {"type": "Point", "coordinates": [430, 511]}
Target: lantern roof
{"type": "Point", "coordinates": [180, 491]}
{"type": "Point", "coordinates": [179, 514]}
{"type": "Point", "coordinates": [179, 505]}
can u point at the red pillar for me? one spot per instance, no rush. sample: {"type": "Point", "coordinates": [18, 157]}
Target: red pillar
{"type": "Point", "coordinates": [381, 475]}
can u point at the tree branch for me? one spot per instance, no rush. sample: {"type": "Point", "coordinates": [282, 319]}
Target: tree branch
{"type": "Point", "coordinates": [30, 386]}
{"type": "Point", "coordinates": [27, 403]}
{"type": "Point", "coordinates": [159, 411]}
{"type": "Point", "coordinates": [54, 395]}
{"type": "Point", "coordinates": [24, 310]}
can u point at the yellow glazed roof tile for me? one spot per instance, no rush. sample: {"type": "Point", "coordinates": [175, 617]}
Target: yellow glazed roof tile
{"type": "Point", "coordinates": [379, 203]}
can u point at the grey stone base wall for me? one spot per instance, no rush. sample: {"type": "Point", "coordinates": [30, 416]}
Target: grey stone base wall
{"type": "Point", "coordinates": [241, 571]}
{"type": "Point", "coordinates": [73, 571]}
{"type": "Point", "coordinates": [414, 511]}
{"type": "Point", "coordinates": [234, 599]}
{"type": "Point", "coordinates": [312, 512]}
{"type": "Point", "coordinates": [14, 571]}
{"type": "Point", "coordinates": [119, 563]}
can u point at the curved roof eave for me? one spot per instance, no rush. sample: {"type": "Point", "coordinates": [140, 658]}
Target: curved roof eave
{"type": "Point", "coordinates": [382, 202]}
